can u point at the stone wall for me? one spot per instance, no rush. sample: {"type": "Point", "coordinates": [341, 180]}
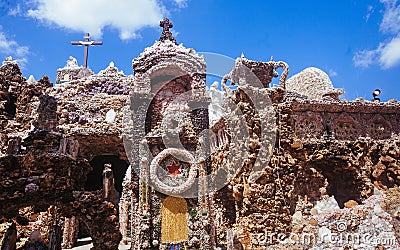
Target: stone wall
{"type": "Point", "coordinates": [345, 120]}
{"type": "Point", "coordinates": [48, 139]}
{"type": "Point", "coordinates": [313, 167]}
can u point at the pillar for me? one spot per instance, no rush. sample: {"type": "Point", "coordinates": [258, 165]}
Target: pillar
{"type": "Point", "coordinates": [70, 232]}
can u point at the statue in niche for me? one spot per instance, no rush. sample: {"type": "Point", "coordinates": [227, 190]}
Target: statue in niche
{"type": "Point", "coordinates": [109, 191]}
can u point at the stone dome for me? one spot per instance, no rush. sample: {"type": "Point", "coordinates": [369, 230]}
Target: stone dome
{"type": "Point", "coordinates": [313, 83]}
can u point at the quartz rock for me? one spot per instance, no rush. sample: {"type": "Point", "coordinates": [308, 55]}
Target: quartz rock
{"type": "Point", "coordinates": [327, 204]}
{"type": "Point", "coordinates": [110, 116]}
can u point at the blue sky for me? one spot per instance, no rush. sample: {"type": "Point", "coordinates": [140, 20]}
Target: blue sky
{"type": "Point", "coordinates": [356, 42]}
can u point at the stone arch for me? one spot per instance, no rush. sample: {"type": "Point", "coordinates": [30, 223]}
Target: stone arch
{"type": "Point", "coordinates": [345, 127]}
{"type": "Point", "coordinates": [335, 177]}
{"type": "Point", "coordinates": [309, 125]}
{"type": "Point", "coordinates": [343, 184]}
{"type": "Point", "coordinates": [163, 75]}
{"type": "Point", "coordinates": [225, 216]}
{"type": "Point", "coordinates": [107, 170]}
{"type": "Point", "coordinates": [378, 128]}
{"type": "Point", "coordinates": [159, 57]}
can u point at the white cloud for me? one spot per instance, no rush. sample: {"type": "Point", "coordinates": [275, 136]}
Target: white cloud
{"type": "Point", "coordinates": [126, 16]}
{"type": "Point", "coordinates": [332, 73]}
{"type": "Point", "coordinates": [181, 3]}
{"type": "Point", "coordinates": [9, 47]}
{"type": "Point", "coordinates": [387, 53]}
{"type": "Point", "coordinates": [391, 17]}
{"type": "Point", "coordinates": [365, 58]}
{"type": "Point", "coordinates": [390, 54]}
{"type": "Point", "coordinates": [370, 11]}
{"type": "Point", "coordinates": [15, 11]}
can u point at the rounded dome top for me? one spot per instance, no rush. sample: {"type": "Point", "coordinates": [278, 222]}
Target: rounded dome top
{"type": "Point", "coordinates": [314, 83]}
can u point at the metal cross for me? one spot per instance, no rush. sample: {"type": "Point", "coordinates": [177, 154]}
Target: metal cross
{"type": "Point", "coordinates": [86, 43]}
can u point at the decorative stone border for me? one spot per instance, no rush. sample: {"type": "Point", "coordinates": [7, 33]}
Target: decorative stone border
{"type": "Point", "coordinates": [378, 128]}
{"type": "Point", "coordinates": [346, 127]}
{"type": "Point", "coordinates": [303, 126]}
{"type": "Point", "coordinates": [180, 154]}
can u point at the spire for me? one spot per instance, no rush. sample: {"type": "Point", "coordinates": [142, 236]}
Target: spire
{"type": "Point", "coordinates": [166, 34]}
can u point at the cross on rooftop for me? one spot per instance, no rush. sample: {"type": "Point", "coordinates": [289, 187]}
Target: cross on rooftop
{"type": "Point", "coordinates": [86, 43]}
{"type": "Point", "coordinates": [166, 34]}
{"type": "Point", "coordinates": [166, 24]}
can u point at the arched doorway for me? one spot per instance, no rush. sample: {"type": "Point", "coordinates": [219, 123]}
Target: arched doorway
{"type": "Point", "coordinates": [95, 177]}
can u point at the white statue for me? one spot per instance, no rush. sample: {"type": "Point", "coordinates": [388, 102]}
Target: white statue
{"type": "Point", "coordinates": [72, 62]}
{"type": "Point", "coordinates": [9, 60]}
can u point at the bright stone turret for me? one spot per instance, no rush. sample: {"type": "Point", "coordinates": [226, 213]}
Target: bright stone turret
{"type": "Point", "coordinates": [313, 83]}
{"type": "Point", "coordinates": [71, 71]}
